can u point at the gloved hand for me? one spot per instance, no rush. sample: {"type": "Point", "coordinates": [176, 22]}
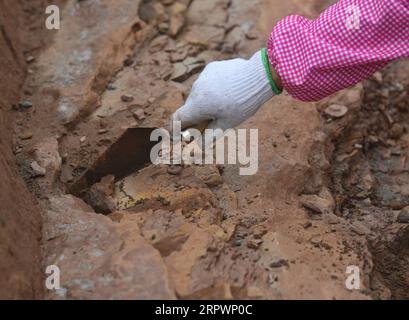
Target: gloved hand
{"type": "Point", "coordinates": [227, 92]}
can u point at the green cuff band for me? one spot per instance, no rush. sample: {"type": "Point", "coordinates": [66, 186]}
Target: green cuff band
{"type": "Point", "coordinates": [266, 63]}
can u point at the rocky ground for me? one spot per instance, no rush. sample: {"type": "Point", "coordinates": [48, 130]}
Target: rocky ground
{"type": "Point", "coordinates": [331, 190]}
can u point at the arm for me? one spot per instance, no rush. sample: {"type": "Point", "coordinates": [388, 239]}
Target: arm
{"type": "Point", "coordinates": [347, 43]}
{"type": "Point", "coordinates": [311, 59]}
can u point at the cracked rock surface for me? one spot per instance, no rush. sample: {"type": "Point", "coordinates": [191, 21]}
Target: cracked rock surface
{"type": "Point", "coordinates": [315, 206]}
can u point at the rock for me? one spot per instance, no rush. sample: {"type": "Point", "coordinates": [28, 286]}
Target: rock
{"type": "Point", "coordinates": [307, 225]}
{"type": "Point", "coordinates": [360, 229]}
{"type": "Point", "coordinates": [180, 54]}
{"type": "Point", "coordinates": [100, 195]}
{"type": "Point", "coordinates": [110, 87]}
{"type": "Point", "coordinates": [83, 139]}
{"type": "Point", "coordinates": [209, 174]}
{"type": "Point", "coordinates": [377, 76]}
{"type": "Point", "coordinates": [177, 19]}
{"type": "Point", "coordinates": [254, 292]}
{"type": "Point", "coordinates": [254, 243]}
{"type": "Point", "coordinates": [66, 175]}
{"type": "Point", "coordinates": [163, 27]}
{"type": "Point", "coordinates": [183, 70]}
{"type": "Point", "coordinates": [127, 98]}
{"type": "Point", "coordinates": [228, 199]}
{"type": "Point", "coordinates": [139, 114]}
{"type": "Point", "coordinates": [47, 155]}
{"type": "Point", "coordinates": [396, 131]}
{"type": "Point", "coordinates": [99, 258]}
{"type": "Point", "coordinates": [147, 188]}
{"type": "Point", "coordinates": [332, 218]}
{"type": "Point", "coordinates": [316, 240]}
{"type": "Point", "coordinates": [396, 152]}
{"type": "Point", "coordinates": [366, 186]}
{"type": "Point", "coordinates": [222, 291]}
{"type": "Point", "coordinates": [373, 139]}
{"type": "Point", "coordinates": [30, 59]}
{"type": "Point", "coordinates": [181, 262]}
{"type": "Point", "coordinates": [399, 245]}
{"type": "Point", "coordinates": [180, 73]}
{"type": "Point", "coordinates": [194, 65]}
{"type": "Point", "coordinates": [152, 10]}
{"type": "Point", "coordinates": [26, 136]}
{"type": "Point", "coordinates": [198, 13]}
{"type": "Point", "coordinates": [278, 263]}
{"type": "Point", "coordinates": [25, 104]}
{"type": "Point", "coordinates": [259, 231]}
{"type": "Point", "coordinates": [236, 188]}
{"type": "Point", "coordinates": [336, 111]}
{"type": "Point", "coordinates": [233, 39]}
{"type": "Point", "coordinates": [38, 171]}
{"type": "Point", "coordinates": [206, 36]}
{"type": "Point", "coordinates": [352, 98]}
{"type": "Point", "coordinates": [403, 216]}
{"type": "Point", "coordinates": [159, 43]}
{"type": "Point", "coordinates": [251, 35]}
{"type": "Point", "coordinates": [208, 56]}
{"type": "Point", "coordinates": [322, 203]}
{"type": "Point", "coordinates": [174, 170]}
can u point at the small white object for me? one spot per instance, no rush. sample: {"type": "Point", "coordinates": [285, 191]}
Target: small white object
{"type": "Point", "coordinates": [37, 169]}
{"type": "Point", "coordinates": [186, 136]}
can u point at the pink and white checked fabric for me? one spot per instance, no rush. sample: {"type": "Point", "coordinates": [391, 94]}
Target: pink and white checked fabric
{"type": "Point", "coordinates": [316, 58]}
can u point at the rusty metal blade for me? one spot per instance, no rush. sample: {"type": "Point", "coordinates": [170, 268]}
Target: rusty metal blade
{"type": "Point", "coordinates": [129, 153]}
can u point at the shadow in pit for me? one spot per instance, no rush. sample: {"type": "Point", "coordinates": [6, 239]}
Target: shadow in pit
{"type": "Point", "coordinates": [391, 264]}
{"type": "Point", "coordinates": [370, 180]}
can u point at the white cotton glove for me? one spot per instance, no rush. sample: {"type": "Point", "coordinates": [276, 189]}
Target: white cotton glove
{"type": "Point", "coordinates": [227, 92]}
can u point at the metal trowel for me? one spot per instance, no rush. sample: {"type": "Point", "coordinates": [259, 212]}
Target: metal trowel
{"type": "Point", "coordinates": [127, 154]}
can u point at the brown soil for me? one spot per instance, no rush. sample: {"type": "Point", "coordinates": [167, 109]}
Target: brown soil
{"type": "Point", "coordinates": [19, 216]}
{"type": "Point", "coordinates": [327, 194]}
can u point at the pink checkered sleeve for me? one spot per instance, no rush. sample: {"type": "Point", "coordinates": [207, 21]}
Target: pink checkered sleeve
{"type": "Point", "coordinates": [346, 44]}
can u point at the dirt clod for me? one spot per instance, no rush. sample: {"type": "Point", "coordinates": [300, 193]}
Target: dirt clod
{"type": "Point", "coordinates": [100, 195]}
{"type": "Point", "coordinates": [403, 216]}
{"type": "Point", "coordinates": [139, 114]}
{"type": "Point", "coordinates": [318, 204]}
{"type": "Point", "coordinates": [127, 98]}
{"type": "Point", "coordinates": [38, 171]}
{"type": "Point", "coordinates": [25, 104]}
{"type": "Point", "coordinates": [336, 111]}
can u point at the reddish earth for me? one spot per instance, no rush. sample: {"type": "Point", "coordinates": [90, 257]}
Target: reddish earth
{"type": "Point", "coordinates": [19, 216]}
{"type": "Point", "coordinates": [331, 190]}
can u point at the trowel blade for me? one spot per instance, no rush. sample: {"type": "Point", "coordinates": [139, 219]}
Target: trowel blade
{"type": "Point", "coordinates": [129, 153]}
